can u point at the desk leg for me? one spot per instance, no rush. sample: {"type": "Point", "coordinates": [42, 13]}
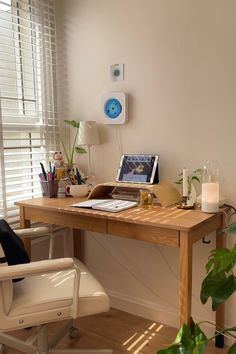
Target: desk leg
{"type": "Point", "coordinates": [78, 243]}
{"type": "Point", "coordinates": [185, 287]}
{"type": "Point", "coordinates": [25, 224]}
{"type": "Point", "coordinates": [220, 312]}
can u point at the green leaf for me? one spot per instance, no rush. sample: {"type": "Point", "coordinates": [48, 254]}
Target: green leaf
{"type": "Point", "coordinates": [175, 349]}
{"type": "Point", "coordinates": [210, 284]}
{"type": "Point", "coordinates": [195, 178]}
{"type": "Point", "coordinates": [80, 150]}
{"type": "Point", "coordinates": [224, 292]}
{"type": "Point", "coordinates": [199, 170]}
{"type": "Point", "coordinates": [218, 287]}
{"type": "Point", "coordinates": [73, 123]}
{"type": "Point", "coordinates": [221, 259]}
{"type": "Point", "coordinates": [201, 344]}
{"type": "Point", "coordinates": [191, 177]}
{"type": "Point", "coordinates": [179, 182]}
{"type": "Point", "coordinates": [184, 334]}
{"type": "Point", "coordinates": [232, 349]}
{"type": "Point", "coordinates": [201, 340]}
{"type": "Point", "coordinates": [189, 340]}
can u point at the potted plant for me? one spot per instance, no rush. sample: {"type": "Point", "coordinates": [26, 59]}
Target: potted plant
{"type": "Point", "coordinates": [219, 284]}
{"type": "Point", "coordinates": [69, 153]}
{"type": "Point", "coordinates": [195, 176]}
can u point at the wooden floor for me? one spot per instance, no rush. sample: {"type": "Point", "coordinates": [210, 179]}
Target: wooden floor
{"type": "Point", "coordinates": [120, 331]}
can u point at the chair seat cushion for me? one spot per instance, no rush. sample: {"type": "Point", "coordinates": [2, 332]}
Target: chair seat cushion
{"type": "Point", "coordinates": [55, 290]}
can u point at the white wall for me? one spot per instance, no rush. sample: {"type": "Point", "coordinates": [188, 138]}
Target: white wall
{"type": "Point", "coordinates": [180, 74]}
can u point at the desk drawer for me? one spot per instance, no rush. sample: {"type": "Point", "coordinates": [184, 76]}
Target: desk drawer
{"type": "Point", "coordinates": [144, 233]}
{"type": "Point", "coordinates": [74, 221]}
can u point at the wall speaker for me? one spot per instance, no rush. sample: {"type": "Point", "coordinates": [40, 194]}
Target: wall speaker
{"type": "Point", "coordinates": [115, 108]}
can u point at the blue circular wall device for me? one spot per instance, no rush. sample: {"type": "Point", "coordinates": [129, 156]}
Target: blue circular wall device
{"type": "Point", "coordinates": [112, 108]}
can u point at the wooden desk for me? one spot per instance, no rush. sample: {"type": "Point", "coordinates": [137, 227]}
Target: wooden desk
{"type": "Point", "coordinates": [168, 226]}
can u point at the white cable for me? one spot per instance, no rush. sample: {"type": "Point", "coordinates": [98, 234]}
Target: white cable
{"type": "Point", "coordinates": [118, 139]}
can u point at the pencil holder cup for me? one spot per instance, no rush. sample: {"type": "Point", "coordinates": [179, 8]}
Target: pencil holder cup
{"type": "Point", "coordinates": [49, 188]}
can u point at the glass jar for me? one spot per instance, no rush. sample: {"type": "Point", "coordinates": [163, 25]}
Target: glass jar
{"type": "Point", "coordinates": [62, 188]}
{"type": "Point", "coordinates": [210, 187]}
{"type": "Point", "coordinates": [146, 198]}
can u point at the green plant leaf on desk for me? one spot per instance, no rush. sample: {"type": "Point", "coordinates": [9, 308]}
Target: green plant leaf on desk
{"type": "Point", "coordinates": [192, 177]}
{"type": "Point", "coordinates": [80, 150]}
{"type": "Point", "coordinates": [180, 180]}
{"type": "Point", "coordinates": [73, 123]}
{"type": "Point", "coordinates": [70, 152]}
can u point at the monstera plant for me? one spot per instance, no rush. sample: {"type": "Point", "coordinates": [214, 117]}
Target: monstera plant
{"type": "Point", "coordinates": [218, 285]}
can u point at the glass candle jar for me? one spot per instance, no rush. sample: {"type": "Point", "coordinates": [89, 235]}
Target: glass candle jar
{"type": "Point", "coordinates": [210, 187]}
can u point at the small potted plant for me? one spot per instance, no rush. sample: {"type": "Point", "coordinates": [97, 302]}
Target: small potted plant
{"type": "Point", "coordinates": [66, 171]}
{"type": "Point", "coordinates": [195, 176]}
{"type": "Point", "coordinates": [70, 151]}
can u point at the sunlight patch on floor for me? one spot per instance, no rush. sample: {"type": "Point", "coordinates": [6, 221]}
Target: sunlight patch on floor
{"type": "Point", "coordinates": [138, 341]}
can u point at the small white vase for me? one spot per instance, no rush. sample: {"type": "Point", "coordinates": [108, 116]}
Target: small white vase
{"type": "Point", "coordinates": [193, 194]}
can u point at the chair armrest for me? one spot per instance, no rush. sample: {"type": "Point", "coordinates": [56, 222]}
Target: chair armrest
{"type": "Point", "coordinates": [33, 232]}
{"type": "Point", "coordinates": [35, 268]}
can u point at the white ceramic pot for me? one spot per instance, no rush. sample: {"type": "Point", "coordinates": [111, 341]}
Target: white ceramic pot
{"type": "Point", "coordinates": [77, 190]}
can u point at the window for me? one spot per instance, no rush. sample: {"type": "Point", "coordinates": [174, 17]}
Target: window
{"type": "Point", "coordinates": [28, 126]}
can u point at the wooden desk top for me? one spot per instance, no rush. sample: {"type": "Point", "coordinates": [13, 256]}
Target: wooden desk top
{"type": "Point", "coordinates": [169, 218]}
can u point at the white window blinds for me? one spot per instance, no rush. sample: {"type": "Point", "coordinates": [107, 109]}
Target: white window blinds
{"type": "Point", "coordinates": [28, 126]}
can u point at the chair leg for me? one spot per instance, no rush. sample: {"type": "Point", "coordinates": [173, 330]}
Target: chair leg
{"type": "Point", "coordinates": [65, 328]}
{"type": "Point", "coordinates": [3, 349]}
{"type": "Point", "coordinates": [17, 344]}
{"type": "Point", "coordinates": [42, 339]}
{"type": "Point", "coordinates": [74, 330]}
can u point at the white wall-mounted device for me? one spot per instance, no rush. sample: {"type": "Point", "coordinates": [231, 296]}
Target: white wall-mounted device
{"type": "Point", "coordinates": [115, 108]}
{"type": "Point", "coordinates": [117, 72]}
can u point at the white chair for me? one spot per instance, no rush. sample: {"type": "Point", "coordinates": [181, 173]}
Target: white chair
{"type": "Point", "coordinates": [38, 232]}
{"type": "Point", "coordinates": [52, 290]}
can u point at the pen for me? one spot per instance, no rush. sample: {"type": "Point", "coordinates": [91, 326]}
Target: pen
{"type": "Point", "coordinates": [41, 176]}
{"type": "Point", "coordinates": [78, 175]}
{"type": "Point", "coordinates": [43, 171]}
{"type": "Point", "coordinates": [53, 172]}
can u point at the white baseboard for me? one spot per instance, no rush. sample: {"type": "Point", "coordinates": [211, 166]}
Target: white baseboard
{"type": "Point", "coordinates": [143, 308]}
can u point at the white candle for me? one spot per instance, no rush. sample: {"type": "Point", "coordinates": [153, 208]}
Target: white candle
{"type": "Point", "coordinates": [185, 182]}
{"type": "Point", "coordinates": [210, 197]}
